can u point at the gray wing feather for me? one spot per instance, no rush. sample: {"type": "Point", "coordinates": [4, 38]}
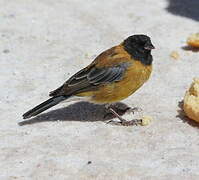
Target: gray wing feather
{"type": "Point", "coordinates": [98, 76]}
{"type": "Point", "coordinates": [117, 75]}
{"type": "Point", "coordinates": [91, 78]}
{"type": "Point", "coordinates": [107, 77]}
{"type": "Point", "coordinates": [95, 73]}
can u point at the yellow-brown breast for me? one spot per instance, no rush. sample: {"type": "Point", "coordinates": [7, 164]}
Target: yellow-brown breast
{"type": "Point", "coordinates": [135, 76]}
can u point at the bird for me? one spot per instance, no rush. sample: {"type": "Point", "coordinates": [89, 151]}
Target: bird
{"type": "Point", "coordinates": [112, 76]}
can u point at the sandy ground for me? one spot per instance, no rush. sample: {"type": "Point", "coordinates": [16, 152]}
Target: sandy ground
{"type": "Point", "coordinates": [43, 42]}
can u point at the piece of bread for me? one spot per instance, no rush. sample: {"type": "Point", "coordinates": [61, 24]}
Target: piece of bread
{"type": "Point", "coordinates": [193, 40]}
{"type": "Point", "coordinates": [146, 120]}
{"type": "Point", "coordinates": [191, 101]}
{"type": "Point", "coordinates": [175, 55]}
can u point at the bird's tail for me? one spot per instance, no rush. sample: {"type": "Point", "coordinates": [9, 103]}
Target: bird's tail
{"type": "Point", "coordinates": [44, 106]}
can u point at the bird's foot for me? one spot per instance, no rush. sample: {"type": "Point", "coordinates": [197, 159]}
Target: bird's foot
{"type": "Point", "coordinates": [120, 109]}
{"type": "Point", "coordinates": [124, 122]}
{"type": "Point", "coordinates": [133, 110]}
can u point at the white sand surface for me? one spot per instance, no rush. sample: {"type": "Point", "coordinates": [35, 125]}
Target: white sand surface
{"type": "Point", "coordinates": [43, 42]}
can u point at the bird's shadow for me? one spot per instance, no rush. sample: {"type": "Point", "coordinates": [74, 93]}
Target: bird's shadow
{"type": "Point", "coordinates": [81, 111]}
{"type": "Point", "coordinates": [189, 48]}
{"type": "Point", "coordinates": [185, 8]}
{"type": "Point", "coordinates": [184, 118]}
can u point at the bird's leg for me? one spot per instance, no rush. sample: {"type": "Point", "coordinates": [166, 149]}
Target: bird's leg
{"type": "Point", "coordinates": [133, 110]}
{"type": "Point", "coordinates": [122, 120]}
{"type": "Point", "coordinates": [120, 109]}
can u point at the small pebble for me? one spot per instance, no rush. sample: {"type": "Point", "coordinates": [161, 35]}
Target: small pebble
{"type": "Point", "coordinates": [6, 51]}
{"type": "Point", "coordinates": [89, 162]}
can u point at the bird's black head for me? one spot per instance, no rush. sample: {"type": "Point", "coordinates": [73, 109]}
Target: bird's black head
{"type": "Point", "coordinates": [139, 47]}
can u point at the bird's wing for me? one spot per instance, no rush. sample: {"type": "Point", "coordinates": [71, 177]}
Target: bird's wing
{"type": "Point", "coordinates": [90, 78]}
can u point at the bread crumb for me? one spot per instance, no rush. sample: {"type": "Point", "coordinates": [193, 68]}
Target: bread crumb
{"type": "Point", "coordinates": [146, 120]}
{"type": "Point", "coordinates": [175, 55]}
{"type": "Point", "coordinates": [191, 101]}
{"type": "Point", "coordinates": [193, 40]}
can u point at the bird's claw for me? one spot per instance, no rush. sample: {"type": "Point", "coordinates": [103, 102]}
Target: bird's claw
{"type": "Point", "coordinates": [113, 122]}
{"type": "Point", "coordinates": [126, 123]}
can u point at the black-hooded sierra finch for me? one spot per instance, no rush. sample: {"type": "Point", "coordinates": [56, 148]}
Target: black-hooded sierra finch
{"type": "Point", "coordinates": [113, 76]}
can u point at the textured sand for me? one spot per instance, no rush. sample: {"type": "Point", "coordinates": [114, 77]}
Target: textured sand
{"type": "Point", "coordinates": [43, 42]}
